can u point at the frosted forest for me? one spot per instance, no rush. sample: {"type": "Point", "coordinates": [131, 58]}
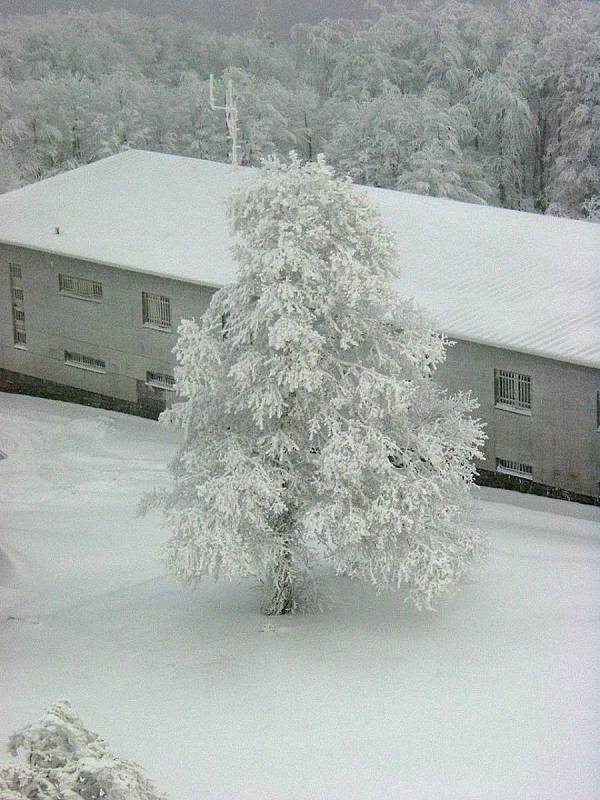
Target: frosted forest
{"type": "Point", "coordinates": [467, 101]}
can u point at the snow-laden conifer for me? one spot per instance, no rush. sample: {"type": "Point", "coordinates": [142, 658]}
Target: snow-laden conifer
{"type": "Point", "coordinates": [64, 760]}
{"type": "Point", "coordinates": [312, 422]}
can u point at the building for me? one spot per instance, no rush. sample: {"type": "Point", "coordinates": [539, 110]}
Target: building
{"type": "Point", "coordinates": [99, 264]}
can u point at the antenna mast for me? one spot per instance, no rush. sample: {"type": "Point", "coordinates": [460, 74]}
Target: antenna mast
{"type": "Point", "coordinates": [231, 115]}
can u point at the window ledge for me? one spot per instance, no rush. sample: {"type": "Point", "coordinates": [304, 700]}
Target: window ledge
{"type": "Point", "coordinates": [159, 386]}
{"type": "Point", "coordinates": [80, 297]}
{"type": "Point", "coordinates": [86, 369]}
{"type": "Point", "coordinates": [525, 412]}
{"type": "Point", "coordinates": [154, 327]}
{"type": "Point", "coordinates": [514, 474]}
{"type": "Point", "coordinates": [24, 347]}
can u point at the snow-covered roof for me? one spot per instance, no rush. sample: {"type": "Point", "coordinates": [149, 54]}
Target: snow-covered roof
{"type": "Point", "coordinates": [505, 278]}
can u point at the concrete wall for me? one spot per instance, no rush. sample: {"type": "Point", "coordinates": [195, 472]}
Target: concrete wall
{"type": "Point", "coordinates": [111, 330]}
{"type": "Point", "coordinates": [559, 438]}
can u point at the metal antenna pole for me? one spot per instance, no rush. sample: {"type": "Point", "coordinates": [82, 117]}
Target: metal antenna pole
{"type": "Point", "coordinates": [231, 115]}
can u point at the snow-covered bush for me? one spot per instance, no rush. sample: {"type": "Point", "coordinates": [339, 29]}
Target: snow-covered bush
{"type": "Point", "coordinates": [312, 421]}
{"type": "Point", "coordinates": [64, 761]}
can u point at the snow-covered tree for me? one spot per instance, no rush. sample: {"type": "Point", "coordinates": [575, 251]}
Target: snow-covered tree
{"type": "Point", "coordinates": [506, 125]}
{"type": "Point", "coordinates": [591, 208]}
{"type": "Point", "coordinates": [65, 760]}
{"type": "Point", "coordinates": [9, 171]}
{"type": "Point", "coordinates": [444, 172]}
{"type": "Point", "coordinates": [408, 141]}
{"type": "Point", "coordinates": [572, 56]}
{"type": "Point", "coordinates": [312, 422]}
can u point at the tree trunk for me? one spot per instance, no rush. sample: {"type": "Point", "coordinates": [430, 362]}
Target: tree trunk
{"type": "Point", "coordinates": [280, 599]}
{"type": "Point", "coordinates": [308, 137]}
{"type": "Point", "coordinates": [281, 594]}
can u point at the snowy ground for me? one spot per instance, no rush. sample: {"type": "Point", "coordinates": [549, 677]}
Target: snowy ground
{"type": "Point", "coordinates": [495, 696]}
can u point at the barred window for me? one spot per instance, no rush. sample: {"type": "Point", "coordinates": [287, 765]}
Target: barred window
{"type": "Point", "coordinates": [18, 309]}
{"type": "Point", "coordinates": [20, 336]}
{"type": "Point", "coordinates": [79, 287]}
{"type": "Point", "coordinates": [512, 390]}
{"type": "Point", "coordinates": [160, 380]}
{"type": "Point", "coordinates": [84, 362]}
{"type": "Point", "coordinates": [508, 467]}
{"type": "Point", "coordinates": [156, 311]}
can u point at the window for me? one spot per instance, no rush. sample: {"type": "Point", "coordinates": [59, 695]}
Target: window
{"type": "Point", "coordinates": [160, 380]}
{"type": "Point", "coordinates": [80, 287]}
{"type": "Point", "coordinates": [507, 467]}
{"type": "Point", "coordinates": [598, 410]}
{"type": "Point", "coordinates": [156, 311]}
{"type": "Point", "coordinates": [513, 391]}
{"type": "Point", "coordinates": [84, 362]}
{"type": "Point", "coordinates": [18, 310]}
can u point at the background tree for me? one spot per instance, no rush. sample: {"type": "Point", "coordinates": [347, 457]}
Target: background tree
{"type": "Point", "coordinates": [506, 129]}
{"type": "Point", "coordinates": [312, 422]}
{"type": "Point", "coordinates": [572, 56]}
{"type": "Point", "coordinates": [476, 101]}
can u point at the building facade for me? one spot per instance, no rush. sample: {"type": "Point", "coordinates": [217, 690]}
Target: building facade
{"type": "Point", "coordinates": [106, 336]}
{"type": "Point", "coordinates": [542, 416]}
{"type": "Point", "coordinates": [94, 282]}
{"type": "Point", "coordinates": [91, 327]}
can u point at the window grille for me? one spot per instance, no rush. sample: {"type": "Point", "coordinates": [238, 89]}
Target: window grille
{"type": "Point", "coordinates": [84, 362]}
{"type": "Point", "coordinates": [512, 389]}
{"type": "Point", "coordinates": [18, 309]}
{"type": "Point", "coordinates": [156, 311]}
{"type": "Point", "coordinates": [508, 467]}
{"type": "Point", "coordinates": [160, 380]}
{"type": "Point", "coordinates": [80, 287]}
